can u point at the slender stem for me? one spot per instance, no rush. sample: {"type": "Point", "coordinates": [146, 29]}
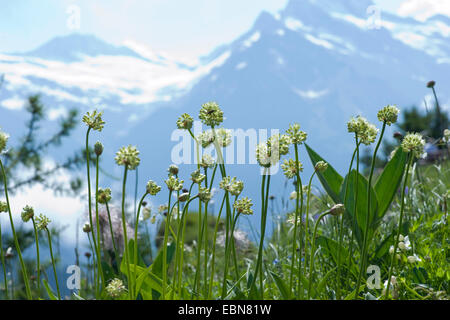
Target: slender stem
{"type": "Point", "coordinates": [53, 262]}
{"type": "Point", "coordinates": [263, 232]}
{"type": "Point", "coordinates": [135, 256]}
{"type": "Point", "coordinates": [307, 240]}
{"type": "Point", "coordinates": [16, 241]}
{"type": "Point", "coordinates": [38, 262]}
{"type": "Point", "coordinates": [402, 209]}
{"type": "Point", "coordinates": [368, 217]}
{"type": "Point", "coordinates": [116, 253]}
{"type": "Point", "coordinates": [125, 235]}
{"type": "Point", "coordinates": [311, 261]}
{"type": "Point", "coordinates": [341, 230]}
{"type": "Point", "coordinates": [166, 238]}
{"type": "Point", "coordinates": [2, 256]}
{"type": "Point", "coordinates": [97, 222]}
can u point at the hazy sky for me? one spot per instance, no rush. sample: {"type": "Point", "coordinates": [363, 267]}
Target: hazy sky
{"type": "Point", "coordinates": [179, 27]}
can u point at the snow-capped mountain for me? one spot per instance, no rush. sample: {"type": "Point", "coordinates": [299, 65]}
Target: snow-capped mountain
{"type": "Point", "coordinates": [317, 62]}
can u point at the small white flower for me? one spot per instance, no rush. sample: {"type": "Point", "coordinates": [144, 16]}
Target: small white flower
{"type": "Point", "coordinates": [413, 259]}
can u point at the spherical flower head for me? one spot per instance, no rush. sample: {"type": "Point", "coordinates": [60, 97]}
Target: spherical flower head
{"type": "Point", "coordinates": [413, 259]}
{"type": "Point", "coordinates": [3, 207]}
{"type": "Point", "coordinates": [447, 135]}
{"type": "Point", "coordinates": [42, 222]}
{"type": "Point", "coordinates": [279, 144]}
{"type": "Point", "coordinates": [173, 170]}
{"type": "Point", "coordinates": [295, 134]}
{"type": "Point", "coordinates": [204, 195]}
{"type": "Point", "coordinates": [104, 195]}
{"type": "Point", "coordinates": [223, 137]}
{"type": "Point", "coordinates": [87, 227]}
{"type": "Point", "coordinates": [414, 143]}
{"type": "Point", "coordinates": [211, 114]}
{"type": "Point", "coordinates": [128, 156]}
{"type": "Point", "coordinates": [3, 140]}
{"type": "Point", "coordinates": [94, 120]}
{"type": "Point", "coordinates": [269, 153]}
{"type": "Point", "coordinates": [363, 129]}
{"type": "Point", "coordinates": [98, 148]}
{"type": "Point", "coordinates": [244, 206]}
{"type": "Point", "coordinates": [290, 168]}
{"type": "Point", "coordinates": [197, 176]}
{"type": "Point", "coordinates": [185, 122]}
{"type": "Point", "coordinates": [337, 209]}
{"type": "Point", "coordinates": [115, 288]}
{"type": "Point", "coordinates": [368, 137]}
{"type": "Point", "coordinates": [388, 114]}
{"type": "Point", "coordinates": [27, 213]}
{"type": "Point", "coordinates": [207, 161]}
{"type": "Point", "coordinates": [206, 138]}
{"type": "Point", "coordinates": [237, 187]}
{"type": "Point", "coordinates": [152, 188]}
{"type": "Point", "coordinates": [174, 184]}
{"type": "Point", "coordinates": [233, 186]}
{"type": "Point", "coordinates": [321, 166]}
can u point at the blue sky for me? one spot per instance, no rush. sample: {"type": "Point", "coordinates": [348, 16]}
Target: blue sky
{"type": "Point", "coordinates": [179, 27]}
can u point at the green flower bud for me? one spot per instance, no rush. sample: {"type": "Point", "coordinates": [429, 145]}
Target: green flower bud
{"type": "Point", "coordinates": [152, 188]}
{"type": "Point", "coordinates": [3, 207]}
{"type": "Point", "coordinates": [388, 114]}
{"type": "Point", "coordinates": [173, 169]}
{"type": "Point", "coordinates": [204, 195]}
{"type": "Point", "coordinates": [290, 168]}
{"type": "Point", "coordinates": [128, 156]}
{"type": "Point", "coordinates": [174, 184]}
{"type": "Point", "coordinates": [185, 122]}
{"type": "Point", "coordinates": [98, 148]}
{"type": "Point", "coordinates": [42, 222]}
{"type": "Point", "coordinates": [321, 166]}
{"type": "Point", "coordinates": [244, 206]}
{"type": "Point", "coordinates": [104, 195]}
{"type": "Point", "coordinates": [27, 213]}
{"type": "Point", "coordinates": [197, 176]}
{"type": "Point", "coordinates": [183, 197]}
{"type": "Point", "coordinates": [87, 227]}
{"type": "Point", "coordinates": [337, 209]}
{"type": "Point", "coordinates": [211, 114]}
{"type": "Point", "coordinates": [414, 143]}
{"type": "Point", "coordinates": [94, 120]}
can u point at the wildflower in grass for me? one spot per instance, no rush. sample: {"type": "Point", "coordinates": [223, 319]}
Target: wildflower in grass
{"type": "Point", "coordinates": [87, 227]}
{"type": "Point", "coordinates": [94, 121]}
{"type": "Point", "coordinates": [295, 134]}
{"type": "Point", "coordinates": [279, 143]}
{"type": "Point", "coordinates": [211, 114]}
{"type": "Point", "coordinates": [204, 195]}
{"type": "Point", "coordinates": [115, 288]}
{"type": "Point", "coordinates": [414, 143]}
{"type": "Point", "coordinates": [3, 206]}
{"type": "Point", "coordinates": [206, 138]}
{"type": "Point", "coordinates": [232, 185]}
{"type": "Point", "coordinates": [244, 206]}
{"type": "Point", "coordinates": [197, 176]}
{"type": "Point", "coordinates": [237, 187]}
{"type": "Point", "coordinates": [152, 188]}
{"type": "Point", "coordinates": [128, 156]}
{"type": "Point", "coordinates": [27, 213]}
{"type": "Point", "coordinates": [365, 131]}
{"type": "Point", "coordinates": [173, 169]}
{"type": "Point", "coordinates": [413, 259]}
{"type": "Point", "coordinates": [404, 243]}
{"type": "Point", "coordinates": [392, 286]}
{"type": "Point", "coordinates": [291, 219]}
{"type": "Point", "coordinates": [290, 168]}
{"type": "Point", "coordinates": [98, 148]}
{"type": "Point", "coordinates": [223, 137]}
{"type": "Point", "coordinates": [185, 122]}
{"type": "Point", "coordinates": [447, 135]}
{"type": "Point", "coordinates": [321, 166]}
{"type": "Point", "coordinates": [207, 161]}
{"type": "Point", "coordinates": [3, 140]}
{"type": "Point", "coordinates": [388, 114]}
{"type": "Point", "coordinates": [104, 195]}
{"type": "Point", "coordinates": [174, 184]}
{"type": "Point", "coordinates": [263, 155]}
{"type": "Point", "coordinates": [42, 222]}
{"type": "Point", "coordinates": [337, 209]}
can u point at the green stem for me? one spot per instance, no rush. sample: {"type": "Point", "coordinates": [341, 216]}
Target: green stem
{"type": "Point", "coordinates": [2, 256]}
{"type": "Point", "coordinates": [307, 240]}
{"type": "Point", "coordinates": [402, 209]}
{"type": "Point", "coordinates": [135, 242]}
{"type": "Point", "coordinates": [116, 253]}
{"type": "Point", "coordinates": [166, 237]}
{"type": "Point", "coordinates": [38, 262]}
{"type": "Point", "coordinates": [97, 222]}
{"type": "Point", "coordinates": [368, 217]}
{"type": "Point", "coordinates": [53, 262]}
{"type": "Point", "coordinates": [125, 235]}
{"type": "Point", "coordinates": [16, 241]}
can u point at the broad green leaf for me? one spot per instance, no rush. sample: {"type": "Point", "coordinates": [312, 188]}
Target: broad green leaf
{"type": "Point", "coordinates": [330, 179]}
{"type": "Point", "coordinates": [388, 182]}
{"type": "Point", "coordinates": [157, 264]}
{"type": "Point", "coordinates": [361, 214]}
{"type": "Point", "coordinates": [330, 246]}
{"type": "Point", "coordinates": [281, 286]}
{"type": "Point", "coordinates": [351, 296]}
